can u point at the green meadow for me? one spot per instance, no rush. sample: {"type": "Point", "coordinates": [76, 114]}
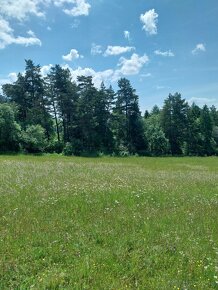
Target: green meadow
{"type": "Point", "coordinates": [108, 223]}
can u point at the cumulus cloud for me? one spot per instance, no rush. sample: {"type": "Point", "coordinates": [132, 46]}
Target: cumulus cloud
{"type": "Point", "coordinates": [7, 36]}
{"type": "Point", "coordinates": [97, 77]}
{"type": "Point", "coordinates": [12, 76]}
{"type": "Point", "coordinates": [4, 81]}
{"type": "Point", "coordinates": [73, 54]}
{"type": "Point", "coordinates": [21, 9]}
{"type": "Point", "coordinates": [45, 69]}
{"type": "Point", "coordinates": [168, 53]}
{"type": "Point", "coordinates": [96, 49]}
{"type": "Point", "coordinates": [80, 7]}
{"type": "Point", "coordinates": [149, 20]}
{"type": "Point", "coordinates": [127, 34]}
{"type": "Point", "coordinates": [31, 33]}
{"type": "Point", "coordinates": [116, 50]}
{"type": "Point", "coordinates": [130, 66]}
{"type": "Point", "coordinates": [133, 65]}
{"type": "Point", "coordinates": [200, 47]}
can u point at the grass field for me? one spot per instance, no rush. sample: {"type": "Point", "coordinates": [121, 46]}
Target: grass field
{"type": "Point", "coordinates": [108, 223]}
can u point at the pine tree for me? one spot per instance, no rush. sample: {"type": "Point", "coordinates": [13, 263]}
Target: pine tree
{"type": "Point", "coordinates": [130, 131]}
{"type": "Point", "coordinates": [103, 118]}
{"type": "Point", "coordinates": [194, 140]}
{"type": "Point", "coordinates": [206, 125]}
{"type": "Point", "coordinates": [35, 98]}
{"type": "Point", "coordinates": [174, 122]}
{"type": "Point", "coordinates": [88, 120]}
{"type": "Point", "coordinates": [64, 102]}
{"type": "Point", "coordinates": [15, 93]}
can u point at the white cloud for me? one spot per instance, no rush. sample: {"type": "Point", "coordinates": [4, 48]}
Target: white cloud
{"type": "Point", "coordinates": [149, 20]}
{"type": "Point", "coordinates": [127, 34]}
{"type": "Point", "coordinates": [4, 81]}
{"type": "Point", "coordinates": [168, 53]}
{"type": "Point", "coordinates": [73, 54]}
{"type": "Point", "coordinates": [31, 33]}
{"type": "Point", "coordinates": [116, 50]}
{"type": "Point", "coordinates": [81, 7]}
{"type": "Point", "coordinates": [105, 76]}
{"type": "Point", "coordinates": [12, 76]}
{"type": "Point", "coordinates": [200, 47]}
{"type": "Point", "coordinates": [96, 49]}
{"type": "Point", "coordinates": [130, 66]}
{"type": "Point", "coordinates": [7, 36]}
{"type": "Point", "coordinates": [20, 9]}
{"type": "Point", "coordinates": [45, 69]}
{"type": "Point", "coordinates": [133, 65]}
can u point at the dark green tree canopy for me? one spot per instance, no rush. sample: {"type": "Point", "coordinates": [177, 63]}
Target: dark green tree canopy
{"type": "Point", "coordinates": [52, 113]}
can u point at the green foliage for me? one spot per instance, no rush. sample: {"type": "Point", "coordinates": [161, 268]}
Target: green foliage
{"type": "Point", "coordinates": [157, 142]}
{"type": "Point", "coordinates": [33, 139]}
{"type": "Point", "coordinates": [155, 110]}
{"type": "Point", "coordinates": [146, 114]}
{"type": "Point", "coordinates": [9, 129]}
{"type": "Point", "coordinates": [2, 99]}
{"type": "Point", "coordinates": [123, 151]}
{"type": "Point", "coordinates": [129, 125]}
{"type": "Point", "coordinates": [174, 122]}
{"type": "Point", "coordinates": [206, 125]}
{"type": "Point", "coordinates": [68, 149]}
{"type": "Point", "coordinates": [94, 120]}
{"type": "Point", "coordinates": [54, 146]}
{"type": "Point", "coordinates": [194, 139]}
{"type": "Point", "coordinates": [63, 99]}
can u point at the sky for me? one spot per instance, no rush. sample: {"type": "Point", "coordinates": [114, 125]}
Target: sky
{"type": "Point", "coordinates": [161, 46]}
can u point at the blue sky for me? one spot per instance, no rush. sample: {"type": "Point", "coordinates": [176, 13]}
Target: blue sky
{"type": "Point", "coordinates": [161, 46]}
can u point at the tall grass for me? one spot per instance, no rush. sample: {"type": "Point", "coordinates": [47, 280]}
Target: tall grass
{"type": "Point", "coordinates": [108, 223]}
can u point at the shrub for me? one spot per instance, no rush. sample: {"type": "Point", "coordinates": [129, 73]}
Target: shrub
{"type": "Point", "coordinates": [54, 146]}
{"type": "Point", "coordinates": [68, 149]}
{"type": "Point", "coordinates": [33, 139]}
{"type": "Point", "coordinates": [9, 130]}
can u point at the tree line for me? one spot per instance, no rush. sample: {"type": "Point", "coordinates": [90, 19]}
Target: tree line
{"type": "Point", "coordinates": [55, 114]}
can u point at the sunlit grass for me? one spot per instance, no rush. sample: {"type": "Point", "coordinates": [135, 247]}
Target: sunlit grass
{"type": "Point", "coordinates": [108, 223]}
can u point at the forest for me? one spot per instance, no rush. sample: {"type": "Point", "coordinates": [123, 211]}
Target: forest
{"type": "Point", "coordinates": [53, 114]}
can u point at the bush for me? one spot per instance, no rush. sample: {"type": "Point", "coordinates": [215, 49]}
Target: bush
{"type": "Point", "coordinates": [33, 139]}
{"type": "Point", "coordinates": [54, 146]}
{"type": "Point", "coordinates": [68, 149]}
{"type": "Point", "coordinates": [9, 130]}
{"type": "Point", "coordinates": [123, 151]}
